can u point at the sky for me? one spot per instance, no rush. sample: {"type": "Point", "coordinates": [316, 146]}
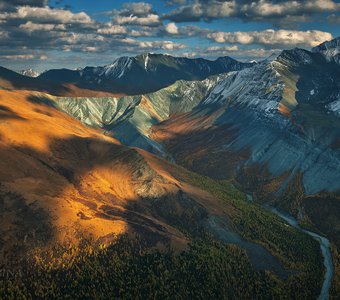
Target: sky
{"type": "Point", "coordinates": [42, 34]}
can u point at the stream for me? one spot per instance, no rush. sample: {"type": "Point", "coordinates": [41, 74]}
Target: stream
{"type": "Point", "coordinates": [324, 245]}
{"type": "Point", "coordinates": [325, 249]}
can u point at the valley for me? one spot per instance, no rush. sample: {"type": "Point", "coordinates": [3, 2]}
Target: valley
{"type": "Point", "coordinates": [120, 187]}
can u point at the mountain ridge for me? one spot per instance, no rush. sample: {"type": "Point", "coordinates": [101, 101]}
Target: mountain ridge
{"type": "Point", "coordinates": [157, 71]}
{"type": "Point", "coordinates": [119, 78]}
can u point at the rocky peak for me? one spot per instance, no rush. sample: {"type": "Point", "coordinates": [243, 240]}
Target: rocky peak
{"type": "Point", "coordinates": [330, 50]}
{"type": "Point", "coordinates": [29, 72]}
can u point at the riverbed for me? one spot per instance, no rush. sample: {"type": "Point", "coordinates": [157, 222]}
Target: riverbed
{"type": "Point", "coordinates": [324, 245]}
{"type": "Point", "coordinates": [325, 249]}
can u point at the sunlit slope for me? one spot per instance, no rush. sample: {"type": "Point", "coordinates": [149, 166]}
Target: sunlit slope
{"type": "Point", "coordinates": [63, 181]}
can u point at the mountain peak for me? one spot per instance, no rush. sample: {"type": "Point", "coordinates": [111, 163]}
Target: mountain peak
{"type": "Point", "coordinates": [29, 72]}
{"type": "Point", "coordinates": [328, 45]}
{"type": "Point", "coordinates": [330, 50]}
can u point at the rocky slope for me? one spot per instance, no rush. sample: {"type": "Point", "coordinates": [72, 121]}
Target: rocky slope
{"type": "Point", "coordinates": [330, 50]}
{"type": "Point", "coordinates": [130, 118]}
{"type": "Point", "coordinates": [275, 127]}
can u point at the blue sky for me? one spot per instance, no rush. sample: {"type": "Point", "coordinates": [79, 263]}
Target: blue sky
{"type": "Point", "coordinates": [46, 34]}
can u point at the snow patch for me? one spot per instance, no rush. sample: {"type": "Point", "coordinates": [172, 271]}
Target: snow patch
{"type": "Point", "coordinates": [146, 62]}
{"type": "Point", "coordinates": [334, 107]}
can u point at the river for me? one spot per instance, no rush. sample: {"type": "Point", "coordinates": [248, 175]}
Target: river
{"type": "Point", "coordinates": [325, 249]}
{"type": "Point", "coordinates": [324, 245]}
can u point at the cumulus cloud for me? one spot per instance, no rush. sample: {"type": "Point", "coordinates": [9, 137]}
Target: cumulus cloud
{"type": "Point", "coordinates": [171, 28]}
{"type": "Point", "coordinates": [264, 9]}
{"type": "Point", "coordinates": [136, 13]}
{"type": "Point", "coordinates": [270, 37]}
{"type": "Point", "coordinates": [276, 12]}
{"type": "Point", "coordinates": [112, 29]}
{"type": "Point", "coordinates": [49, 15]}
{"type": "Point", "coordinates": [11, 4]}
{"type": "Point", "coordinates": [164, 45]}
{"type": "Point", "coordinates": [137, 8]}
{"type": "Point", "coordinates": [30, 27]}
{"type": "Point", "coordinates": [148, 20]}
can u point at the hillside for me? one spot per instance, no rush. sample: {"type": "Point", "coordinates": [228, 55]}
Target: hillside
{"type": "Point", "coordinates": [63, 183]}
{"type": "Point", "coordinates": [274, 128]}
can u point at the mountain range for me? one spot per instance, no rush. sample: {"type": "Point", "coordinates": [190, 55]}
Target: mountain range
{"type": "Point", "coordinates": [175, 150]}
{"type": "Point", "coordinates": [157, 71]}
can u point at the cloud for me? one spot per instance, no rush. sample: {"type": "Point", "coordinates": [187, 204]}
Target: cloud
{"type": "Point", "coordinates": [23, 57]}
{"type": "Point", "coordinates": [264, 9]}
{"type": "Point", "coordinates": [141, 33]}
{"type": "Point", "coordinates": [30, 27]}
{"type": "Point", "coordinates": [112, 29]}
{"type": "Point", "coordinates": [276, 12]}
{"type": "Point", "coordinates": [181, 32]}
{"type": "Point", "coordinates": [334, 19]}
{"type": "Point", "coordinates": [148, 20]}
{"type": "Point", "coordinates": [164, 45]}
{"type": "Point", "coordinates": [27, 29]}
{"type": "Point", "coordinates": [270, 37]}
{"type": "Point", "coordinates": [30, 30]}
{"type": "Point", "coordinates": [136, 13]}
{"type": "Point", "coordinates": [49, 15]}
{"type": "Point", "coordinates": [137, 8]}
{"type": "Point", "coordinates": [11, 4]}
{"type": "Point", "coordinates": [171, 28]}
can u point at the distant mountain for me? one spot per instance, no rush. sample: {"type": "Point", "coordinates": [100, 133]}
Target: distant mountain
{"type": "Point", "coordinates": [126, 75]}
{"type": "Point", "coordinates": [29, 73]}
{"type": "Point", "coordinates": [10, 80]}
{"type": "Point", "coordinates": [143, 73]}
